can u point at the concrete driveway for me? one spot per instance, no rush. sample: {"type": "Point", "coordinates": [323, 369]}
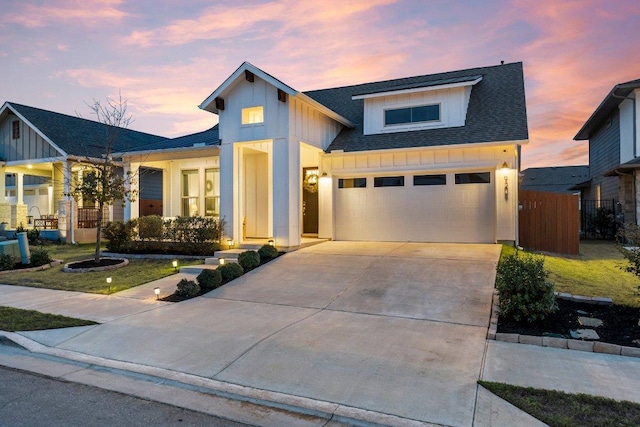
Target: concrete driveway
{"type": "Point", "coordinates": [396, 328]}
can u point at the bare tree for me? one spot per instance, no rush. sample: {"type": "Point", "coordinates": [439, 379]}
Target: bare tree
{"type": "Point", "coordinates": [105, 183]}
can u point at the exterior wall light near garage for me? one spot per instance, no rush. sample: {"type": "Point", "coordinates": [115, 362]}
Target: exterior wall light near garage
{"type": "Point", "coordinates": [505, 170]}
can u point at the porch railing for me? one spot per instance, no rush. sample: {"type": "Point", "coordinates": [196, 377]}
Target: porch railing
{"type": "Point", "coordinates": [599, 219]}
{"type": "Point", "coordinates": [88, 217]}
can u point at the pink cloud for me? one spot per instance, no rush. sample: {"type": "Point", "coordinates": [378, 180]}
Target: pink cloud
{"type": "Point", "coordinates": [86, 13]}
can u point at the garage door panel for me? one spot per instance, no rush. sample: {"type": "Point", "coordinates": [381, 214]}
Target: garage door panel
{"type": "Point", "coordinates": [442, 213]}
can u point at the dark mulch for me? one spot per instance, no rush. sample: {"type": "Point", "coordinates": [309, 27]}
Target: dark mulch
{"type": "Point", "coordinates": [620, 323]}
{"type": "Point", "coordinates": [90, 263]}
{"type": "Point", "coordinates": [21, 266]}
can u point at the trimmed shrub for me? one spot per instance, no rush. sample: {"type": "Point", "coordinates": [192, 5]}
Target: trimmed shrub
{"type": "Point", "coordinates": [150, 227]}
{"type": "Point", "coordinates": [209, 279]}
{"type": "Point", "coordinates": [525, 293]}
{"type": "Point", "coordinates": [119, 235]}
{"type": "Point", "coordinates": [33, 235]}
{"type": "Point", "coordinates": [230, 271]}
{"type": "Point", "coordinates": [39, 257]}
{"type": "Point", "coordinates": [7, 262]}
{"type": "Point", "coordinates": [268, 252]}
{"type": "Point", "coordinates": [188, 288]}
{"type": "Point", "coordinates": [249, 259]}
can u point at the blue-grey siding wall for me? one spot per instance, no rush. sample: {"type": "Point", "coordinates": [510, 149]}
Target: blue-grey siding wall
{"type": "Point", "coordinates": [604, 155]}
{"type": "Point", "coordinates": [29, 146]}
{"type": "Point", "coordinates": [150, 181]}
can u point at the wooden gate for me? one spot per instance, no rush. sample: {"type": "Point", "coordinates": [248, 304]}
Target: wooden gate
{"type": "Point", "coordinates": [549, 222]}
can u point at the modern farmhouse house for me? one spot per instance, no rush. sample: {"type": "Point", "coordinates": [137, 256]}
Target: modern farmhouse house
{"type": "Point", "coordinates": [426, 158]}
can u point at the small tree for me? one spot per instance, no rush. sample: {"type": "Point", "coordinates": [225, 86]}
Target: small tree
{"type": "Point", "coordinates": [104, 183]}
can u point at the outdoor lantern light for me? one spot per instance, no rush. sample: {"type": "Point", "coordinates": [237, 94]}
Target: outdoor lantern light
{"type": "Point", "coordinates": [157, 292]}
{"type": "Point", "coordinates": [109, 280]}
{"type": "Point", "coordinates": [271, 242]}
{"type": "Point", "coordinates": [230, 243]}
{"type": "Point", "coordinates": [174, 263]}
{"type": "Point", "coordinates": [221, 261]}
{"type": "Point", "coordinates": [505, 169]}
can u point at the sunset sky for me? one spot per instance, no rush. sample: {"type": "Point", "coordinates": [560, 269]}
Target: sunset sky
{"type": "Point", "coordinates": [166, 57]}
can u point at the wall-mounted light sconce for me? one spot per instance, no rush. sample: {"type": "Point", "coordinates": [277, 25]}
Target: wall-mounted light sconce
{"type": "Point", "coordinates": [221, 261]}
{"type": "Point", "coordinates": [230, 243]}
{"type": "Point", "coordinates": [157, 292]}
{"type": "Point", "coordinates": [271, 242]}
{"type": "Point", "coordinates": [505, 170]}
{"type": "Point", "coordinates": [174, 263]}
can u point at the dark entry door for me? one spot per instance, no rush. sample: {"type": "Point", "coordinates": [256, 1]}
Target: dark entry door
{"type": "Point", "coordinates": [310, 200]}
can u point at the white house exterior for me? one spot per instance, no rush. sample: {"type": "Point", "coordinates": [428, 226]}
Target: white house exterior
{"type": "Point", "coordinates": [430, 158]}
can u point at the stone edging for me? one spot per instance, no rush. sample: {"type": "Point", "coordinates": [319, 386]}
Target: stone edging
{"type": "Point", "coordinates": [53, 263]}
{"type": "Point", "coordinates": [563, 343]}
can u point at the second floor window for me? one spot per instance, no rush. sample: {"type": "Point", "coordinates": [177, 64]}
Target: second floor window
{"type": "Point", "coordinates": [252, 115]}
{"type": "Point", "coordinates": [401, 116]}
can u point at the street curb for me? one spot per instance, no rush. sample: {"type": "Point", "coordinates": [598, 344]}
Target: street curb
{"type": "Point", "coordinates": [295, 404]}
{"type": "Point", "coordinates": [563, 343]}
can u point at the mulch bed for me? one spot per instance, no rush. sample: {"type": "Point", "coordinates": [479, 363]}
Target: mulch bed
{"type": "Point", "coordinates": [90, 263]}
{"type": "Point", "coordinates": [620, 323]}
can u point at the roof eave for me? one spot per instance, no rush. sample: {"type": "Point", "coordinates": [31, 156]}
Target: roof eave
{"type": "Point", "coordinates": [32, 126]}
{"type": "Point", "coordinates": [417, 89]}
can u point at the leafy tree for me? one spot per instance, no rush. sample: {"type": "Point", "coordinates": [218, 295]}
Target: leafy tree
{"type": "Point", "coordinates": [104, 183]}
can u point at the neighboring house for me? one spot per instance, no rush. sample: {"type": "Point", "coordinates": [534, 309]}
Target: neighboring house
{"type": "Point", "coordinates": [431, 158]}
{"type": "Point", "coordinates": [614, 151]}
{"type": "Point", "coordinates": [41, 153]}
{"type": "Point", "coordinates": [554, 179]}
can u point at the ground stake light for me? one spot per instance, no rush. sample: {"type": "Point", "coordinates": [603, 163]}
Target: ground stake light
{"type": "Point", "coordinates": [157, 292]}
{"type": "Point", "coordinates": [174, 263]}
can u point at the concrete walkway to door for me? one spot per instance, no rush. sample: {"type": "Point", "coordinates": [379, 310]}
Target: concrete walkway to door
{"type": "Point", "coordinates": [397, 329]}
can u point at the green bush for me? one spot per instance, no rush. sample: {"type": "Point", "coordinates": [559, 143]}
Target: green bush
{"type": "Point", "coordinates": [33, 235]}
{"type": "Point", "coordinates": [187, 288]}
{"type": "Point", "coordinates": [7, 262]}
{"type": "Point", "coordinates": [268, 252]}
{"type": "Point", "coordinates": [209, 279]}
{"type": "Point", "coordinates": [249, 259]}
{"type": "Point", "coordinates": [230, 271]}
{"type": "Point", "coordinates": [39, 257]}
{"type": "Point", "coordinates": [119, 235]}
{"type": "Point", "coordinates": [150, 227]}
{"type": "Point", "coordinates": [525, 293]}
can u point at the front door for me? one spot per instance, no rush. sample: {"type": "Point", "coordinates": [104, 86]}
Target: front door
{"type": "Point", "coordinates": [310, 200]}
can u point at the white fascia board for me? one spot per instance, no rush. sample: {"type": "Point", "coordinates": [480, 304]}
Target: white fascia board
{"type": "Point", "coordinates": [166, 150]}
{"type": "Point", "coordinates": [45, 137]}
{"type": "Point", "coordinates": [417, 89]}
{"type": "Point", "coordinates": [207, 103]}
{"type": "Point", "coordinates": [341, 153]}
{"type": "Point", "coordinates": [324, 110]}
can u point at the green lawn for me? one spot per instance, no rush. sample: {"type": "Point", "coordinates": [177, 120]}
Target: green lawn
{"type": "Point", "coordinates": [15, 319]}
{"type": "Point", "coordinates": [556, 408]}
{"type": "Point", "coordinates": [595, 272]}
{"type": "Point", "coordinates": [136, 273]}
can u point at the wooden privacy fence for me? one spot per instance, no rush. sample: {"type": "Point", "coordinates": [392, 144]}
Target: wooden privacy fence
{"type": "Point", "coordinates": [549, 222]}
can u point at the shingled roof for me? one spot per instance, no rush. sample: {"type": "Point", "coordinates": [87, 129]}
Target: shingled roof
{"type": "Point", "coordinates": [554, 179]}
{"type": "Point", "coordinates": [82, 137]}
{"type": "Point", "coordinates": [199, 139]}
{"type": "Point", "coordinates": [496, 112]}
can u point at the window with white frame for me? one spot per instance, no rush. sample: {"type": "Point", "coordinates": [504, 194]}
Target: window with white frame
{"type": "Point", "coordinates": [212, 192]}
{"type": "Point", "coordinates": [253, 115]}
{"type": "Point", "coordinates": [190, 193]}
{"type": "Point", "coordinates": [409, 115]}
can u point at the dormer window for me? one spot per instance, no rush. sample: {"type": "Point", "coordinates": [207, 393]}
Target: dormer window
{"type": "Point", "coordinates": [420, 114]}
{"type": "Point", "coordinates": [252, 115]}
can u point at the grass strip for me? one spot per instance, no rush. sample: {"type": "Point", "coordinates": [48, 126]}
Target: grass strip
{"type": "Point", "coordinates": [559, 409]}
{"type": "Point", "coordinates": [16, 319]}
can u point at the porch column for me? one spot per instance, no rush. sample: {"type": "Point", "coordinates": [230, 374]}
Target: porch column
{"type": "Point", "coordinates": [132, 207]}
{"type": "Point", "coordinates": [286, 193]}
{"type": "Point", "coordinates": [19, 210]}
{"type": "Point", "coordinates": [5, 207]}
{"type": "Point", "coordinates": [228, 203]}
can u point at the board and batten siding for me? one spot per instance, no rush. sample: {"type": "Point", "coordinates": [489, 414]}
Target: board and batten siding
{"type": "Point", "coordinates": [309, 125]}
{"type": "Point", "coordinates": [29, 146]}
{"type": "Point", "coordinates": [453, 110]}
{"type": "Point", "coordinates": [604, 155]}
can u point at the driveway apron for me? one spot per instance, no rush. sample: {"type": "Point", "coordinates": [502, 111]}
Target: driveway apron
{"type": "Point", "coordinates": [397, 328]}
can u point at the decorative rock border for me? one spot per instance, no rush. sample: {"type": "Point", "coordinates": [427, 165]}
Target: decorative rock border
{"type": "Point", "coordinates": [563, 343]}
{"type": "Point", "coordinates": [66, 268]}
{"type": "Point", "coordinates": [53, 263]}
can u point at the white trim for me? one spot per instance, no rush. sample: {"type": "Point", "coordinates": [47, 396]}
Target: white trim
{"type": "Point", "coordinates": [129, 154]}
{"type": "Point", "coordinates": [416, 90]}
{"type": "Point", "coordinates": [38, 131]}
{"type": "Point", "coordinates": [340, 153]}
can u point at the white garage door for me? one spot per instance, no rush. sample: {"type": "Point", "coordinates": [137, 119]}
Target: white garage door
{"type": "Point", "coordinates": [418, 207]}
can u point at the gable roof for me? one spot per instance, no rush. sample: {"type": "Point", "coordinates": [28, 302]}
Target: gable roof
{"type": "Point", "coordinates": [199, 139]}
{"type": "Point", "coordinates": [496, 111]}
{"type": "Point", "coordinates": [209, 103]}
{"type": "Point", "coordinates": [606, 107]}
{"type": "Point", "coordinates": [554, 179]}
{"type": "Point", "coordinates": [78, 136]}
